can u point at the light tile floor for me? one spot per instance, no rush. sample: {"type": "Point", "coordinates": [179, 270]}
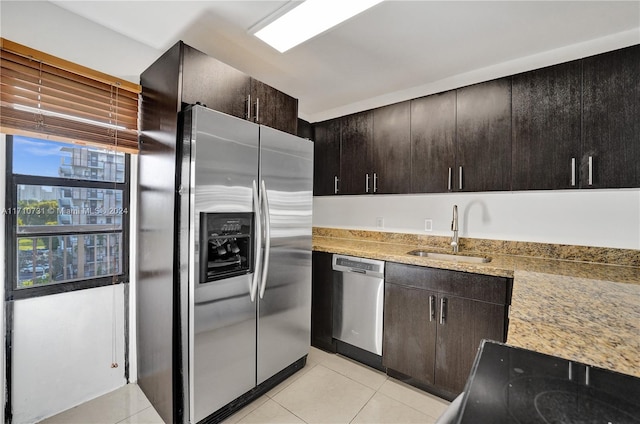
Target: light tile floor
{"type": "Point", "coordinates": [127, 405]}
{"type": "Point", "coordinates": [330, 389]}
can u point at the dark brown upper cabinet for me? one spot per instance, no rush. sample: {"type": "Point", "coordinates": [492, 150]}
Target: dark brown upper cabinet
{"type": "Point", "coordinates": [356, 175]}
{"type": "Point", "coordinates": [184, 75]}
{"type": "Point", "coordinates": [546, 127]}
{"type": "Point", "coordinates": [483, 139]}
{"type": "Point", "coordinates": [214, 84]}
{"type": "Point", "coordinates": [573, 125]}
{"type": "Point", "coordinates": [305, 129]}
{"type": "Point", "coordinates": [326, 158]}
{"type": "Point", "coordinates": [392, 149]}
{"type": "Point", "coordinates": [433, 136]}
{"type": "Point", "coordinates": [611, 120]}
{"type": "Point", "coordinates": [273, 108]}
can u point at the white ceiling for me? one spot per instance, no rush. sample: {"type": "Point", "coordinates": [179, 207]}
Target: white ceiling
{"type": "Point", "coordinates": [395, 51]}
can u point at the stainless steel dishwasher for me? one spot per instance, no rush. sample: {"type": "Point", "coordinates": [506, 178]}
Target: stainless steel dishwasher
{"type": "Point", "coordinates": [358, 293]}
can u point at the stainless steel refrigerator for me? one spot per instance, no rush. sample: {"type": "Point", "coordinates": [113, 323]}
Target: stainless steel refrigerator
{"type": "Point", "coordinates": [241, 280]}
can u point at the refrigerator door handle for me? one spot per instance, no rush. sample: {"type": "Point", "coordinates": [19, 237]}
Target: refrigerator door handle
{"type": "Point", "coordinates": [267, 237]}
{"type": "Point", "coordinates": [258, 243]}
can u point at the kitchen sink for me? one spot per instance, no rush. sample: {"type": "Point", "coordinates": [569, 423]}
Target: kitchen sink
{"type": "Point", "coordinates": [450, 257]}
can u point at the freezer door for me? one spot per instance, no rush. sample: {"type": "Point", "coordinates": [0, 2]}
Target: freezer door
{"type": "Point", "coordinates": [222, 316]}
{"type": "Point", "coordinates": [284, 307]}
{"type": "Point", "coordinates": [224, 361]}
{"type": "Point", "coordinates": [226, 161]}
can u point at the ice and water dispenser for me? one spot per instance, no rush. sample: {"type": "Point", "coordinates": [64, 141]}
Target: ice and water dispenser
{"type": "Point", "coordinates": [226, 245]}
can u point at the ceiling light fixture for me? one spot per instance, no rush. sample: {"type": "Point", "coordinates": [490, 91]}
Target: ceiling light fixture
{"type": "Point", "coordinates": [309, 19]}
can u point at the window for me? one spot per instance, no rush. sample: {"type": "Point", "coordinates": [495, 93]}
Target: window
{"type": "Point", "coordinates": [67, 213]}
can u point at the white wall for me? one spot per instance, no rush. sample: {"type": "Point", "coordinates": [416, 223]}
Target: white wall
{"type": "Point", "coordinates": [62, 350]}
{"type": "Point", "coordinates": [605, 218]}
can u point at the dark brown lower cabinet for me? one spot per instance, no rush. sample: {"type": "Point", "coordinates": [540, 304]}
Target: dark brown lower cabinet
{"type": "Point", "coordinates": [322, 302]}
{"type": "Point", "coordinates": [434, 321]}
{"type": "Point", "coordinates": [465, 323]}
{"type": "Point", "coordinates": [409, 335]}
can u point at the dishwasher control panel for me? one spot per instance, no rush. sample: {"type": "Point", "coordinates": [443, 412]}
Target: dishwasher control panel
{"type": "Point", "coordinates": [370, 267]}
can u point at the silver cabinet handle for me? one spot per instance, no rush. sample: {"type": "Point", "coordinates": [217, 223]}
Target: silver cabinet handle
{"type": "Point", "coordinates": [375, 182]}
{"type": "Point", "coordinates": [449, 180]}
{"type": "Point", "coordinates": [367, 184]}
{"type": "Point", "coordinates": [249, 107]}
{"type": "Point", "coordinates": [432, 308]}
{"type": "Point", "coordinates": [258, 247]}
{"type": "Point", "coordinates": [335, 184]}
{"type": "Point", "coordinates": [460, 178]}
{"type": "Point", "coordinates": [587, 380]}
{"type": "Point", "coordinates": [267, 237]}
{"type": "Point", "coordinates": [573, 172]}
{"type": "Point", "coordinates": [590, 170]}
{"type": "Point", "coordinates": [257, 110]}
{"type": "Point", "coordinates": [443, 307]}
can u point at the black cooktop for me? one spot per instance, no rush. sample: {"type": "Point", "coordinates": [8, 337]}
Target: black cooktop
{"type": "Point", "coordinates": [519, 386]}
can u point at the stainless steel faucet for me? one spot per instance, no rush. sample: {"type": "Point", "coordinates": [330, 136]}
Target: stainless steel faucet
{"type": "Point", "coordinates": [454, 228]}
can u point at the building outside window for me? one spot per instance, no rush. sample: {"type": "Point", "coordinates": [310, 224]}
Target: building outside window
{"type": "Point", "coordinates": [67, 216]}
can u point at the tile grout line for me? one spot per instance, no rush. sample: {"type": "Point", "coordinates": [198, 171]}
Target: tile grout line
{"type": "Point", "coordinates": [291, 412]}
{"type": "Point", "coordinates": [363, 406]}
{"type": "Point", "coordinates": [329, 369]}
{"type": "Point", "coordinates": [402, 384]}
{"type": "Point", "coordinates": [290, 383]}
{"type": "Point", "coordinates": [375, 391]}
{"type": "Point", "coordinates": [386, 377]}
{"type": "Point", "coordinates": [135, 413]}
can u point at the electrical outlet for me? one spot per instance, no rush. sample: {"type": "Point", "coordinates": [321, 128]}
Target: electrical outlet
{"type": "Point", "coordinates": [380, 222]}
{"type": "Point", "coordinates": [428, 224]}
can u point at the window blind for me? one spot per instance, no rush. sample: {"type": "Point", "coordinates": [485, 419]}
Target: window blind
{"type": "Point", "coordinates": [48, 97]}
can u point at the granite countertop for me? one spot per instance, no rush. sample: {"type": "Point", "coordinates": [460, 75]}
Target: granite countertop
{"type": "Point", "coordinates": [501, 265]}
{"type": "Point", "coordinates": [579, 303]}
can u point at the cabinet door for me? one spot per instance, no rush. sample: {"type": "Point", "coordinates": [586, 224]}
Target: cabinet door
{"type": "Point", "coordinates": [213, 83]}
{"type": "Point", "coordinates": [273, 108]}
{"type": "Point", "coordinates": [433, 131]}
{"type": "Point", "coordinates": [305, 129]}
{"type": "Point", "coordinates": [392, 148]}
{"type": "Point", "coordinates": [409, 331]}
{"type": "Point", "coordinates": [546, 127]}
{"type": "Point", "coordinates": [356, 150]}
{"type": "Point", "coordinates": [322, 301]}
{"type": "Point", "coordinates": [326, 159]}
{"type": "Point", "coordinates": [462, 324]}
{"type": "Point", "coordinates": [611, 123]}
{"type": "Point", "coordinates": [483, 144]}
